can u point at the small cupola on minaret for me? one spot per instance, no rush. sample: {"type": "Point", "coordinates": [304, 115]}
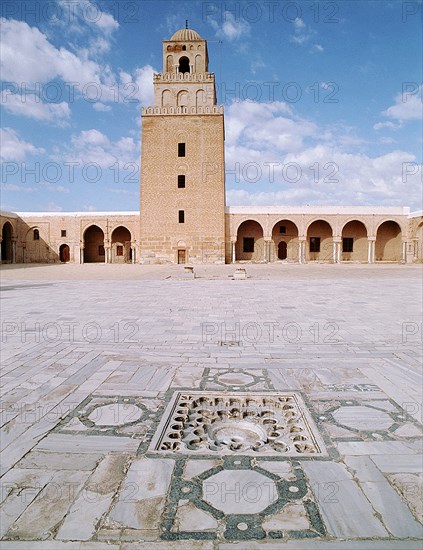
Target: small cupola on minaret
{"type": "Point", "coordinates": [185, 52]}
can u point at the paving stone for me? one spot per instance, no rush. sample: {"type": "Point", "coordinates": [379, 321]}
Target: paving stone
{"type": "Point", "coordinates": [142, 498]}
{"type": "Point", "coordinates": [239, 491]}
{"type": "Point", "coordinates": [196, 467]}
{"type": "Point", "coordinates": [49, 507]}
{"type": "Point", "coordinates": [190, 518]}
{"type": "Point", "coordinates": [46, 460]}
{"type": "Point", "coordinates": [410, 487]}
{"type": "Point", "coordinates": [87, 443]}
{"type": "Point", "coordinates": [408, 430]}
{"type": "Point", "coordinates": [398, 463]}
{"type": "Point", "coordinates": [345, 510]}
{"type": "Point", "coordinates": [384, 499]}
{"type": "Point", "coordinates": [94, 500]}
{"type": "Point", "coordinates": [363, 418]}
{"type": "Point", "coordinates": [283, 469]}
{"type": "Point", "coordinates": [293, 516]}
{"type": "Point", "coordinates": [115, 414]}
{"type": "Point", "coordinates": [386, 448]}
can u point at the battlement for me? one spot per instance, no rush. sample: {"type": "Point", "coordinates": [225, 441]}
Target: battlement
{"type": "Point", "coordinates": [150, 111]}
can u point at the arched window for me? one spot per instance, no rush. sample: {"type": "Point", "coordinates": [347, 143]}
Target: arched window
{"type": "Point", "coordinates": [184, 48]}
{"type": "Point", "coordinates": [184, 65]}
{"type": "Point", "coordinates": [36, 235]}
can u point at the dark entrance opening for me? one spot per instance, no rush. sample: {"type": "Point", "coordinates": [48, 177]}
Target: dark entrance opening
{"type": "Point", "coordinates": [182, 256]}
{"type": "Point", "coordinates": [282, 250]}
{"type": "Point", "coordinates": [184, 65]}
{"type": "Point", "coordinates": [64, 253]}
{"type": "Point", "coordinates": [6, 243]}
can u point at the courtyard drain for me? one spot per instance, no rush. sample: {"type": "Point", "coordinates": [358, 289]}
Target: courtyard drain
{"type": "Point", "coordinates": [265, 424]}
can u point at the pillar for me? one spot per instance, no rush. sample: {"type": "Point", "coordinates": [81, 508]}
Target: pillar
{"type": "Point", "coordinates": [13, 251]}
{"type": "Point", "coordinates": [371, 250]}
{"type": "Point", "coordinates": [233, 251]}
{"type": "Point", "coordinates": [302, 250]}
{"type": "Point", "coordinates": [81, 254]}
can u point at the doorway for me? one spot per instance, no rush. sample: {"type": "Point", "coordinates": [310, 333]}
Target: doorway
{"type": "Point", "coordinates": [282, 250]}
{"type": "Point", "coordinates": [182, 256]}
{"type": "Point", "coordinates": [64, 253]}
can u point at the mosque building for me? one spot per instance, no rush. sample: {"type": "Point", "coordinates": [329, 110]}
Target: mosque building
{"type": "Point", "coordinates": [183, 216]}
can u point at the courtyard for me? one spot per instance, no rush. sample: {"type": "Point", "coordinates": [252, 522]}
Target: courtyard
{"type": "Point", "coordinates": [143, 409]}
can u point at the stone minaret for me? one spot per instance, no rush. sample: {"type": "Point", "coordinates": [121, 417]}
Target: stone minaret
{"type": "Point", "coordinates": [183, 162]}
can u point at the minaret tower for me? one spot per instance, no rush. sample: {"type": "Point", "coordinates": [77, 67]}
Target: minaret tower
{"type": "Point", "coordinates": [182, 162]}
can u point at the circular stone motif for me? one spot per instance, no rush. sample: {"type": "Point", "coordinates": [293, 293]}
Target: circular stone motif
{"type": "Point", "coordinates": [115, 414]}
{"type": "Point", "coordinates": [237, 435]}
{"type": "Point", "coordinates": [363, 418]}
{"type": "Point", "coordinates": [239, 491]}
{"type": "Point", "coordinates": [235, 379]}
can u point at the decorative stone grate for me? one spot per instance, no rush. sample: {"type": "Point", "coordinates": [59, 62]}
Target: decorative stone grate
{"type": "Point", "coordinates": [265, 424]}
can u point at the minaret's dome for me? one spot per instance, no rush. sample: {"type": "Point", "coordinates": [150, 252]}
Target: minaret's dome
{"type": "Point", "coordinates": [186, 35]}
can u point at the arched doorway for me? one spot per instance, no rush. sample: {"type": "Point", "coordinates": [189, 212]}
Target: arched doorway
{"type": "Point", "coordinates": [250, 242]}
{"type": "Point", "coordinates": [354, 242]}
{"type": "Point", "coordinates": [64, 253]}
{"type": "Point", "coordinates": [6, 243]}
{"type": "Point", "coordinates": [94, 245]}
{"type": "Point", "coordinates": [282, 250]}
{"type": "Point", "coordinates": [121, 245]}
{"type": "Point", "coordinates": [388, 247]}
{"type": "Point", "coordinates": [320, 242]}
{"type": "Point", "coordinates": [184, 65]}
{"type": "Point", "coordinates": [285, 240]}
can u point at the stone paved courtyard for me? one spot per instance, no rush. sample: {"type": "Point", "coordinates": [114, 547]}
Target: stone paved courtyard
{"type": "Point", "coordinates": [143, 410]}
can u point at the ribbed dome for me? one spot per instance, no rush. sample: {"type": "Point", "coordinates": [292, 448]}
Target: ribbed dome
{"type": "Point", "coordinates": [186, 35]}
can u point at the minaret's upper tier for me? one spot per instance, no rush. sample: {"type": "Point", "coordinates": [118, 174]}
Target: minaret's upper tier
{"type": "Point", "coordinates": [185, 52]}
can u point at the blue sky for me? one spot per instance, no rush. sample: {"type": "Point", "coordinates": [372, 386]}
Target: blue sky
{"type": "Point", "coordinates": [323, 100]}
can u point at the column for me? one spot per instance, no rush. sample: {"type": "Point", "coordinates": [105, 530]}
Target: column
{"type": "Point", "coordinates": [233, 251]}
{"type": "Point", "coordinates": [334, 252]}
{"type": "Point", "coordinates": [13, 251]}
{"type": "Point", "coordinates": [302, 252]}
{"type": "Point", "coordinates": [1, 261]}
{"type": "Point", "coordinates": [81, 254]}
{"type": "Point", "coordinates": [404, 252]}
{"type": "Point", "coordinates": [370, 250]}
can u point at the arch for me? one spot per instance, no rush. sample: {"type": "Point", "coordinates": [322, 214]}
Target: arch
{"type": "Point", "coordinates": [167, 98]}
{"type": "Point", "coordinates": [64, 253]}
{"type": "Point", "coordinates": [250, 242]}
{"type": "Point", "coordinates": [184, 66]}
{"type": "Point", "coordinates": [94, 245]}
{"type": "Point", "coordinates": [198, 63]}
{"type": "Point", "coordinates": [121, 245]}
{"type": "Point", "coordinates": [169, 63]}
{"type": "Point", "coordinates": [319, 241]}
{"type": "Point", "coordinates": [183, 98]}
{"type": "Point", "coordinates": [7, 243]}
{"type": "Point", "coordinates": [418, 240]}
{"type": "Point", "coordinates": [284, 231]}
{"type": "Point", "coordinates": [388, 247]}
{"type": "Point", "coordinates": [354, 242]}
{"type": "Point", "coordinates": [200, 98]}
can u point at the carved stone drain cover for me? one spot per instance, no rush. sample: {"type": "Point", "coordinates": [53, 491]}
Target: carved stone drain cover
{"type": "Point", "coordinates": [266, 424]}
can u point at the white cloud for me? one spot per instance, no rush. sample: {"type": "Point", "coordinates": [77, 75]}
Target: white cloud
{"type": "Point", "coordinates": [31, 106]}
{"type": "Point", "coordinates": [408, 106]}
{"type": "Point", "coordinates": [388, 124]}
{"type": "Point", "coordinates": [302, 33]}
{"type": "Point", "coordinates": [52, 207]}
{"type": "Point", "coordinates": [92, 146]}
{"type": "Point", "coordinates": [143, 80]}
{"type": "Point", "coordinates": [13, 148]}
{"type": "Point", "coordinates": [231, 28]}
{"type": "Point", "coordinates": [278, 157]}
{"type": "Point", "coordinates": [317, 48]}
{"type": "Point", "coordinates": [98, 106]}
